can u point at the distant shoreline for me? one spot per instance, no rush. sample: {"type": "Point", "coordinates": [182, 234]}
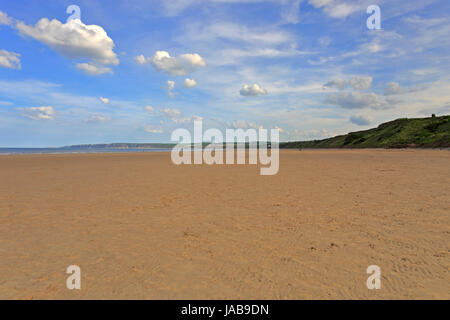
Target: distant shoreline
{"type": "Point", "coordinates": [58, 151]}
{"type": "Point", "coordinates": [16, 151]}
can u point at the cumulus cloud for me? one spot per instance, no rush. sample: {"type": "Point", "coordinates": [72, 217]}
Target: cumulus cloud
{"type": "Point", "coordinates": [152, 129]}
{"type": "Point", "coordinates": [73, 39]}
{"type": "Point", "coordinates": [104, 100]}
{"type": "Point", "coordinates": [361, 120]}
{"type": "Point", "coordinates": [252, 90]}
{"type": "Point", "coordinates": [175, 66]}
{"type": "Point", "coordinates": [361, 82]}
{"type": "Point", "coordinates": [189, 83]}
{"type": "Point", "coordinates": [38, 113]}
{"type": "Point", "coordinates": [170, 113]}
{"type": "Point", "coordinates": [4, 19]}
{"type": "Point", "coordinates": [93, 70]}
{"type": "Point", "coordinates": [170, 86]}
{"type": "Point", "coordinates": [193, 59]}
{"type": "Point", "coordinates": [176, 116]}
{"type": "Point", "coordinates": [150, 109]}
{"type": "Point", "coordinates": [242, 124]}
{"type": "Point", "coordinates": [340, 84]}
{"type": "Point", "coordinates": [393, 88]}
{"type": "Point", "coordinates": [10, 60]}
{"type": "Point", "coordinates": [278, 128]}
{"type": "Point", "coordinates": [357, 100]}
{"type": "Point", "coordinates": [334, 8]}
{"type": "Point", "coordinates": [140, 59]}
{"type": "Point", "coordinates": [357, 83]}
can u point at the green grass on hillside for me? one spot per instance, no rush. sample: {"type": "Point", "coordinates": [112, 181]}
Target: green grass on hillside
{"type": "Point", "coordinates": [432, 132]}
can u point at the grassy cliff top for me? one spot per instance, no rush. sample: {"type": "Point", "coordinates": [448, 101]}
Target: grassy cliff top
{"type": "Point", "coordinates": [432, 132]}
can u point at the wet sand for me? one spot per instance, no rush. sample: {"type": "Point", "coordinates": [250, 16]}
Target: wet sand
{"type": "Point", "coordinates": [140, 227]}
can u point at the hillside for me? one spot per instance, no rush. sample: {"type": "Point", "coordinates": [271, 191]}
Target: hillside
{"type": "Point", "coordinates": [432, 132]}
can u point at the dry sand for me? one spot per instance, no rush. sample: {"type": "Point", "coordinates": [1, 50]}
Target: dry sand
{"type": "Point", "coordinates": [141, 227]}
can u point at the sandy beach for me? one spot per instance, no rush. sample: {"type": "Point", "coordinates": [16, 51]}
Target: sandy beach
{"type": "Point", "coordinates": [140, 227]}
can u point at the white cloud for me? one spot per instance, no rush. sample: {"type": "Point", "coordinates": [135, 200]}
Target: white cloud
{"type": "Point", "coordinates": [187, 119]}
{"type": "Point", "coordinates": [358, 83]}
{"type": "Point", "coordinates": [335, 8]}
{"type": "Point", "coordinates": [4, 19]}
{"type": "Point", "coordinates": [372, 47]}
{"type": "Point", "coordinates": [175, 66]}
{"type": "Point", "coordinates": [73, 39]}
{"type": "Point", "coordinates": [104, 100]}
{"type": "Point", "coordinates": [321, 60]}
{"type": "Point", "coordinates": [150, 109]}
{"type": "Point", "coordinates": [95, 118]}
{"type": "Point", "coordinates": [422, 22]}
{"type": "Point", "coordinates": [361, 120]}
{"type": "Point", "coordinates": [170, 86]}
{"type": "Point", "coordinates": [340, 84]}
{"type": "Point", "coordinates": [170, 113]}
{"type": "Point", "coordinates": [10, 60]}
{"type": "Point", "coordinates": [341, 10]}
{"type": "Point", "coordinates": [242, 124]}
{"type": "Point", "coordinates": [176, 116]}
{"type": "Point", "coordinates": [361, 82]}
{"type": "Point", "coordinates": [252, 90]}
{"type": "Point", "coordinates": [320, 3]}
{"type": "Point", "coordinates": [38, 113]}
{"type": "Point", "coordinates": [152, 129]}
{"type": "Point", "coordinates": [140, 59]}
{"type": "Point", "coordinates": [193, 59]}
{"type": "Point", "coordinates": [93, 70]}
{"type": "Point", "coordinates": [238, 124]}
{"type": "Point", "coordinates": [290, 12]}
{"type": "Point", "coordinates": [357, 100]}
{"type": "Point", "coordinates": [189, 83]}
{"type": "Point", "coordinates": [393, 88]}
{"type": "Point", "coordinates": [312, 134]}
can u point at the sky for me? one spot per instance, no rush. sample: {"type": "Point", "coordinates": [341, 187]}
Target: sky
{"type": "Point", "coordinates": [135, 70]}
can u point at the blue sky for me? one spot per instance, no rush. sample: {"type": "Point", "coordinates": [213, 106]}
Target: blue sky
{"type": "Point", "coordinates": [133, 71]}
